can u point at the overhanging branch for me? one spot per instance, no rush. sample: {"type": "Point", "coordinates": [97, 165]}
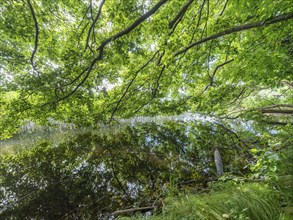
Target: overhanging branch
{"type": "Point", "coordinates": [180, 14]}
{"type": "Point", "coordinates": [36, 35]}
{"type": "Point", "coordinates": [285, 109]}
{"type": "Point", "coordinates": [131, 82]}
{"type": "Point", "coordinates": [239, 28]}
{"type": "Point", "coordinates": [277, 111]}
{"type": "Point", "coordinates": [129, 28]}
{"type": "Point", "coordinates": [88, 70]}
{"type": "Point", "coordinates": [214, 73]}
{"type": "Point", "coordinates": [92, 27]}
{"type": "Point", "coordinates": [222, 12]}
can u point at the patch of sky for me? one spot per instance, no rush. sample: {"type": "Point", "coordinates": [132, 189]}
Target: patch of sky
{"type": "Point", "coordinates": [133, 189]}
{"type": "Point", "coordinates": [81, 165]}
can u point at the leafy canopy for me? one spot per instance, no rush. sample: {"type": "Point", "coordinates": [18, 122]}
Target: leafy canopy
{"type": "Point", "coordinates": [94, 61]}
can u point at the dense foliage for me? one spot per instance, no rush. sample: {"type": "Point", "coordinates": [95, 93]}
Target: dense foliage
{"type": "Point", "coordinates": [95, 174]}
{"type": "Point", "coordinates": [94, 61]}
{"type": "Point", "coordinates": [202, 75]}
{"type": "Point", "coordinates": [128, 168]}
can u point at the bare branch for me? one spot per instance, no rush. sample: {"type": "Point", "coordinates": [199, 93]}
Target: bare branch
{"type": "Point", "coordinates": [139, 209]}
{"type": "Point", "coordinates": [239, 28]}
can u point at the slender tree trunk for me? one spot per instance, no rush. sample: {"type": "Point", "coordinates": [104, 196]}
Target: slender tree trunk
{"type": "Point", "coordinates": [218, 162]}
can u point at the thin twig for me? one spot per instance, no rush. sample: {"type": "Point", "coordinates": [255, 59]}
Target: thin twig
{"type": "Point", "coordinates": [214, 73]}
{"type": "Point", "coordinates": [224, 8]}
{"type": "Point", "coordinates": [130, 83]}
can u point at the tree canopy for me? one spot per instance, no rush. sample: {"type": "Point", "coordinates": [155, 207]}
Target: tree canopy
{"type": "Point", "coordinates": [92, 62]}
{"type": "Point", "coordinates": [209, 77]}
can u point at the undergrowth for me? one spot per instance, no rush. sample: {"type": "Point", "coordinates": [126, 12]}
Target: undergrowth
{"type": "Point", "coordinates": [254, 201]}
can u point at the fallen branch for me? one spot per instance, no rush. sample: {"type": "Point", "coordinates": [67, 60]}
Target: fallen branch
{"type": "Point", "coordinates": [139, 209]}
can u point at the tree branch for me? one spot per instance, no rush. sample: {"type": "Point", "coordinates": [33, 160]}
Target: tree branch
{"type": "Point", "coordinates": [290, 85]}
{"type": "Point", "coordinates": [224, 8]}
{"type": "Point", "coordinates": [214, 73]}
{"type": "Point", "coordinates": [36, 35]}
{"type": "Point", "coordinates": [197, 25]}
{"type": "Point", "coordinates": [198, 21]}
{"type": "Point", "coordinates": [130, 83]}
{"type": "Point", "coordinates": [239, 28]}
{"type": "Point", "coordinates": [234, 133]}
{"type": "Point", "coordinates": [154, 92]}
{"type": "Point", "coordinates": [88, 70]}
{"type": "Point", "coordinates": [180, 14]}
{"type": "Point", "coordinates": [278, 106]}
{"type": "Point", "coordinates": [130, 28]}
{"type": "Point", "coordinates": [277, 111]}
{"type": "Point", "coordinates": [219, 66]}
{"type": "Point", "coordinates": [92, 27]}
{"type": "Point", "coordinates": [139, 209]}
{"type": "Point", "coordinates": [277, 123]}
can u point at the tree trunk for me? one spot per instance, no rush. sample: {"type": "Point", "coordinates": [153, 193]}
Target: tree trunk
{"type": "Point", "coordinates": [218, 162]}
